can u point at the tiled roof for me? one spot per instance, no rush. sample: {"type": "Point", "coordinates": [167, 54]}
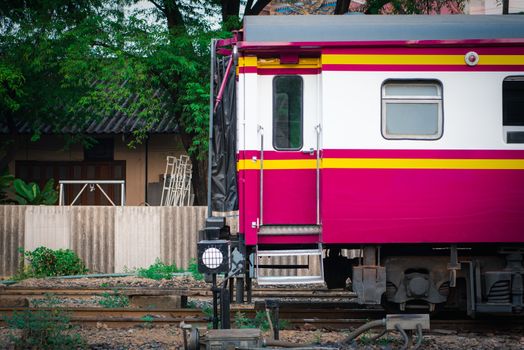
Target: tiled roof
{"type": "Point", "coordinates": [117, 123]}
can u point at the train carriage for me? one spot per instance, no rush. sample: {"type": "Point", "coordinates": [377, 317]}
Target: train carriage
{"type": "Point", "coordinates": [399, 136]}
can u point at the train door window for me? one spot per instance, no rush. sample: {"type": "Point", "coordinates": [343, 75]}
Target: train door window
{"type": "Point", "coordinates": [412, 109]}
{"type": "Point", "coordinates": [513, 109]}
{"type": "Point", "coordinates": [287, 112]}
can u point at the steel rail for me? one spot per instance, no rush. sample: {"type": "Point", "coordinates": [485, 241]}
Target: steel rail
{"type": "Point", "coordinates": [81, 292]}
{"type": "Point", "coordinates": [313, 318]}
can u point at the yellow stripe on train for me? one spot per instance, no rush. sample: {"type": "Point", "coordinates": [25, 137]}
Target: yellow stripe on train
{"type": "Point", "coordinates": [486, 60]}
{"type": "Point", "coordinates": [383, 163]}
{"type": "Point", "coordinates": [303, 62]}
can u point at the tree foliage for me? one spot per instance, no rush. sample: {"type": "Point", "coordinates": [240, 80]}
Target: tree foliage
{"type": "Point", "coordinates": [64, 61]}
{"type": "Point", "coordinates": [36, 41]}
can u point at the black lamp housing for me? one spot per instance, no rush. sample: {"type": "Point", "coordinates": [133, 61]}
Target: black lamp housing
{"type": "Point", "coordinates": [214, 256]}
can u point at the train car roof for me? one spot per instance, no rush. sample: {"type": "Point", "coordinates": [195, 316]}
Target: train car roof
{"type": "Point", "coordinates": [381, 28]}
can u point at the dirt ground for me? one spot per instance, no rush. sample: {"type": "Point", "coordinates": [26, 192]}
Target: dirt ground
{"type": "Point", "coordinates": [113, 282]}
{"type": "Point", "coordinates": [170, 337]}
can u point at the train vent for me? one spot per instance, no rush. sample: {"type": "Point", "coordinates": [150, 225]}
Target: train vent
{"type": "Point", "coordinates": [500, 292]}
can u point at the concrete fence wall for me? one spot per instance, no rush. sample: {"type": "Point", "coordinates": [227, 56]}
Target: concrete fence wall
{"type": "Point", "coordinates": [108, 239]}
{"type": "Point", "coordinates": [12, 227]}
{"type": "Point", "coordinates": [113, 239]}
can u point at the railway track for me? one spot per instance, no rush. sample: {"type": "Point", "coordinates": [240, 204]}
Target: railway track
{"type": "Point", "coordinates": [312, 315]}
{"type": "Point", "coordinates": [148, 291]}
{"type": "Point", "coordinates": [333, 319]}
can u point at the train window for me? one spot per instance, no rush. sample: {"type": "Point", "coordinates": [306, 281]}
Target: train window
{"type": "Point", "coordinates": [287, 112]}
{"type": "Point", "coordinates": [412, 110]}
{"type": "Point", "coordinates": [513, 109]}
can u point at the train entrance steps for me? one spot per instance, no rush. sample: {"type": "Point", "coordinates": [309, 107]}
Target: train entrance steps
{"type": "Point", "coordinates": [292, 262]}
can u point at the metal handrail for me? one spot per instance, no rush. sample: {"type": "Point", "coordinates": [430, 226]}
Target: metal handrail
{"type": "Point", "coordinates": [318, 130]}
{"type": "Point", "coordinates": [260, 129]}
{"type": "Point", "coordinates": [210, 149]}
{"type": "Point", "coordinates": [92, 182]}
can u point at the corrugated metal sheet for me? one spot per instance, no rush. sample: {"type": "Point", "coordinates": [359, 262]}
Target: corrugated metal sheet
{"type": "Point", "coordinates": [137, 237]}
{"type": "Point", "coordinates": [117, 124]}
{"type": "Point", "coordinates": [109, 122]}
{"type": "Point", "coordinates": [11, 237]}
{"type": "Point", "coordinates": [179, 233]}
{"type": "Point", "coordinates": [93, 236]}
{"type": "Point", "coordinates": [113, 239]}
{"type": "Point", "coordinates": [48, 226]}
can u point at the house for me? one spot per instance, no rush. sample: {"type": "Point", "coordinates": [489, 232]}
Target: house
{"type": "Point", "coordinates": [110, 158]}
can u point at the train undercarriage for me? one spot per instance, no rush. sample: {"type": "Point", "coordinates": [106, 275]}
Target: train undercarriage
{"type": "Point", "coordinates": [412, 278]}
{"type": "Point", "coordinates": [476, 279]}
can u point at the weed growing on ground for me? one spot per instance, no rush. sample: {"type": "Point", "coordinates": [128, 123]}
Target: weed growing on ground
{"type": "Point", "coordinates": [388, 340]}
{"type": "Point", "coordinates": [114, 300]}
{"type": "Point", "coordinates": [207, 310]}
{"type": "Point", "coordinates": [318, 337]}
{"type": "Point", "coordinates": [158, 271]}
{"type": "Point", "coordinates": [365, 339]}
{"type": "Point", "coordinates": [193, 268]}
{"type": "Point", "coordinates": [370, 339]}
{"type": "Point", "coordinates": [44, 329]}
{"type": "Point", "coordinates": [192, 304]}
{"type": "Point", "coordinates": [148, 321]}
{"type": "Point", "coordinates": [260, 321]}
{"type": "Point", "coordinates": [242, 321]}
{"type": "Point", "coordinates": [45, 262]}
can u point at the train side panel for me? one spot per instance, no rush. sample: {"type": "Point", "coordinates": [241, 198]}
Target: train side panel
{"type": "Point", "coordinates": [465, 186]}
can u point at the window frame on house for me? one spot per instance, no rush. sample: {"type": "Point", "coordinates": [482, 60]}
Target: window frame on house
{"type": "Point", "coordinates": [276, 120]}
{"type": "Point", "coordinates": [513, 129]}
{"type": "Point", "coordinates": [412, 99]}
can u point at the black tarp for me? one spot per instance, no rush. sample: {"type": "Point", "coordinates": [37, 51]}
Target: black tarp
{"type": "Point", "coordinates": [224, 194]}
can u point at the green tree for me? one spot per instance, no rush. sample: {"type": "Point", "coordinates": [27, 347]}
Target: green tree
{"type": "Point", "coordinates": [156, 58]}
{"type": "Point", "coordinates": [162, 53]}
{"type": "Point", "coordinates": [35, 41]}
{"type": "Point", "coordinates": [63, 60]}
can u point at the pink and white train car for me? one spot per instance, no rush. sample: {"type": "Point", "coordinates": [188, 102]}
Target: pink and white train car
{"type": "Point", "coordinates": [399, 136]}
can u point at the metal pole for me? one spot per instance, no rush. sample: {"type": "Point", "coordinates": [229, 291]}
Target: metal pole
{"type": "Point", "coordinates": [79, 193]}
{"type": "Point", "coordinates": [239, 288]}
{"type": "Point", "coordinates": [225, 308]}
{"type": "Point", "coordinates": [123, 194]}
{"type": "Point", "coordinates": [61, 200]}
{"type": "Point", "coordinates": [215, 301]}
{"type": "Point", "coordinates": [210, 152]}
{"type": "Point", "coordinates": [104, 193]}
